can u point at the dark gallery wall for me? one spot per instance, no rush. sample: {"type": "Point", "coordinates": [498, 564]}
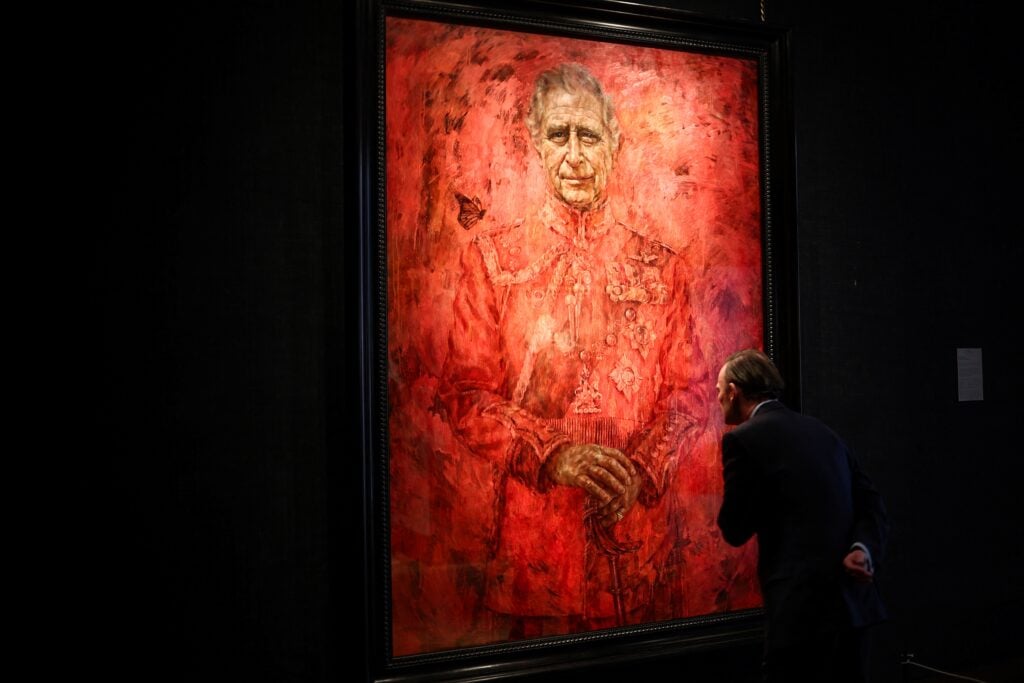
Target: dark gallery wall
{"type": "Point", "coordinates": [907, 153]}
{"type": "Point", "coordinates": [228, 545]}
{"type": "Point", "coordinates": [211, 283]}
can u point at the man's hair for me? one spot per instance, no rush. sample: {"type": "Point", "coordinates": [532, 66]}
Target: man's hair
{"type": "Point", "coordinates": [755, 373]}
{"type": "Point", "coordinates": [571, 78]}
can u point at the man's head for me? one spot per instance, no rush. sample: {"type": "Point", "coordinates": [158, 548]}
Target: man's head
{"type": "Point", "coordinates": [747, 377]}
{"type": "Point", "coordinates": [574, 129]}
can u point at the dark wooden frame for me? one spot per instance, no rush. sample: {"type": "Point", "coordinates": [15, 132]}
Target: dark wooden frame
{"type": "Point", "coordinates": [365, 225]}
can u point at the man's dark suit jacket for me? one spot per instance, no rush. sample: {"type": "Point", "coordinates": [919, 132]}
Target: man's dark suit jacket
{"type": "Point", "coordinates": [792, 481]}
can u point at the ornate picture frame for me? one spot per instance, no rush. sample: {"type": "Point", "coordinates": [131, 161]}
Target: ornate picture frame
{"type": "Point", "coordinates": [570, 217]}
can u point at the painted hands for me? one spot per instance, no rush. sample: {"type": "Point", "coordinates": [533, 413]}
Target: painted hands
{"type": "Point", "coordinates": [606, 474]}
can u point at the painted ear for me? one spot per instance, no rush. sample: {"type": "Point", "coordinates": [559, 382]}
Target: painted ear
{"type": "Point", "coordinates": [470, 210]}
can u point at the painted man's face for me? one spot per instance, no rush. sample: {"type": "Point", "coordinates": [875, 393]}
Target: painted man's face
{"type": "Point", "coordinates": [576, 148]}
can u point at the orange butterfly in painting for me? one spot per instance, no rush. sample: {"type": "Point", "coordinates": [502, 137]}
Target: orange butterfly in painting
{"type": "Point", "coordinates": [470, 210]}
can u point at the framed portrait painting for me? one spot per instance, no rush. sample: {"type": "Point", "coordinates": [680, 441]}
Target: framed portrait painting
{"type": "Point", "coordinates": [572, 218]}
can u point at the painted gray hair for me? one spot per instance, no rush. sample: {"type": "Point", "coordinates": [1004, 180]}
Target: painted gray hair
{"type": "Point", "coordinates": [570, 78]}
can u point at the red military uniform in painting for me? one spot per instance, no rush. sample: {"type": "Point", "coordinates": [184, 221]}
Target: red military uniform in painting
{"type": "Point", "coordinates": [572, 327]}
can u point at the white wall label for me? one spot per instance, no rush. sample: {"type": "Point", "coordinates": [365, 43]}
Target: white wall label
{"type": "Point", "coordinates": [969, 383]}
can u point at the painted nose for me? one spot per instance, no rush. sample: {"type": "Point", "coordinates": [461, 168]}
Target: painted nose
{"type": "Point", "coordinates": [572, 155]}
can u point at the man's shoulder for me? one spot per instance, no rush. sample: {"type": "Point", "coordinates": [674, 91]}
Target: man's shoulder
{"type": "Point", "coordinates": [493, 229]}
{"type": "Point", "coordinates": [501, 237]}
{"type": "Point", "coordinates": [516, 252]}
{"type": "Point", "coordinates": [778, 416]}
{"type": "Point", "coordinates": [519, 238]}
{"type": "Point", "coordinates": [768, 417]}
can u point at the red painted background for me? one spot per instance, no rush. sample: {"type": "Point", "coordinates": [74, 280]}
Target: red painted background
{"type": "Point", "coordinates": [687, 171]}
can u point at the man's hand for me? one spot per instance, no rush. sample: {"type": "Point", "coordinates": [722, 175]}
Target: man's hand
{"type": "Point", "coordinates": [606, 474]}
{"type": "Point", "coordinates": [858, 565]}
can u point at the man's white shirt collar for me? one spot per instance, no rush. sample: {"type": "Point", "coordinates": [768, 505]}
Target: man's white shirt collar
{"type": "Point", "coordinates": [758, 406]}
